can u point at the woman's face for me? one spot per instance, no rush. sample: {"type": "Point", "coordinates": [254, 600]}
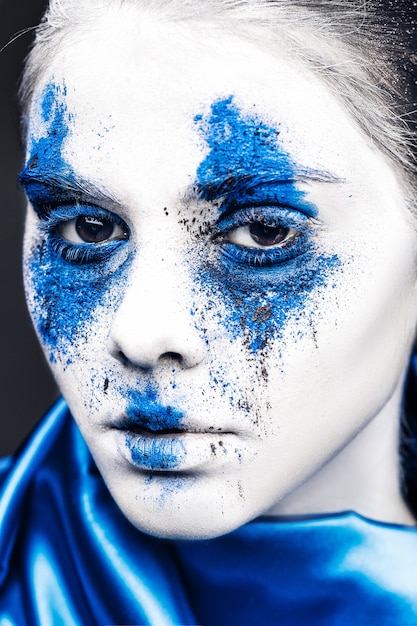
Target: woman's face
{"type": "Point", "coordinates": [219, 268]}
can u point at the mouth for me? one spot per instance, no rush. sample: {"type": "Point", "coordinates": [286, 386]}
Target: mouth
{"type": "Point", "coordinates": [146, 431]}
{"type": "Point", "coordinates": [152, 436]}
{"type": "Point", "coordinates": [158, 449]}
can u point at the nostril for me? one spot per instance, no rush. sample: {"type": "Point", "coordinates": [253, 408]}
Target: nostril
{"type": "Point", "coordinates": [173, 356]}
{"type": "Point", "coordinates": [168, 356]}
{"type": "Point", "coordinates": [124, 360]}
{"type": "Point", "coordinates": [134, 343]}
{"type": "Point", "coordinates": [120, 356]}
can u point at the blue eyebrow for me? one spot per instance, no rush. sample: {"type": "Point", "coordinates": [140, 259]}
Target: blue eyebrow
{"type": "Point", "coordinates": [258, 188]}
{"type": "Point", "coordinates": [246, 158]}
{"type": "Point", "coordinates": [247, 184]}
{"type": "Point", "coordinates": [54, 187]}
{"type": "Point", "coordinates": [47, 177]}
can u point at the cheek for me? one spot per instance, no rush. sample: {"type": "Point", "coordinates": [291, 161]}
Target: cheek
{"type": "Point", "coordinates": [256, 305]}
{"type": "Point", "coordinates": [259, 326]}
{"type": "Point", "coordinates": [64, 298]}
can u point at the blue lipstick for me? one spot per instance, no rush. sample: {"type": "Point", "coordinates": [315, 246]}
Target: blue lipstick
{"type": "Point", "coordinates": [155, 453]}
{"type": "Point", "coordinates": [151, 430]}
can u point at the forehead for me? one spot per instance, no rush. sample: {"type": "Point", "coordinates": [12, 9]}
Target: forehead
{"type": "Point", "coordinates": [134, 95]}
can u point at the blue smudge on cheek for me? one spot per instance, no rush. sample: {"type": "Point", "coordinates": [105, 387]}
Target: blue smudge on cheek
{"type": "Point", "coordinates": [65, 295]}
{"type": "Point", "coordinates": [66, 298]}
{"type": "Point", "coordinates": [258, 300]}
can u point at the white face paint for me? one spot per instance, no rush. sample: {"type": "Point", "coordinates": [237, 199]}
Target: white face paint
{"type": "Point", "coordinates": [219, 267]}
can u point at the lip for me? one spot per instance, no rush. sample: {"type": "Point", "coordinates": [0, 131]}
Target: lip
{"type": "Point", "coordinates": [162, 452]}
{"type": "Point", "coordinates": [154, 437]}
{"type": "Point", "coordinates": [173, 451]}
{"type": "Point", "coordinates": [150, 430]}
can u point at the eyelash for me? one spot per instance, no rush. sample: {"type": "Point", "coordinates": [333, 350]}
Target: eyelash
{"type": "Point", "coordinates": [54, 217]}
{"type": "Point", "coordinates": [271, 216]}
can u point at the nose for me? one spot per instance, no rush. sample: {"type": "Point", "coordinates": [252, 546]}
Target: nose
{"type": "Point", "coordinates": [155, 320]}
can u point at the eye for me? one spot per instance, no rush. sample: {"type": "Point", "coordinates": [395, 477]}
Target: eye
{"type": "Point", "coordinates": [261, 235]}
{"type": "Point", "coordinates": [91, 229]}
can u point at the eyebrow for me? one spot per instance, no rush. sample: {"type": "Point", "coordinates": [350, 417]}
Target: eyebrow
{"type": "Point", "coordinates": [56, 186]}
{"type": "Point", "coordinates": [246, 184]}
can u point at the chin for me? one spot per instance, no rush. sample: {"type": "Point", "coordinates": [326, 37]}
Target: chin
{"type": "Point", "coordinates": [181, 527]}
{"type": "Point", "coordinates": [181, 512]}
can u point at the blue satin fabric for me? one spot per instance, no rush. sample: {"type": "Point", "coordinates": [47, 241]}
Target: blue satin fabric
{"type": "Point", "coordinates": [69, 557]}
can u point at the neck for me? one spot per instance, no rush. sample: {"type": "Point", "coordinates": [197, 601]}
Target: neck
{"type": "Point", "coordinates": [363, 477]}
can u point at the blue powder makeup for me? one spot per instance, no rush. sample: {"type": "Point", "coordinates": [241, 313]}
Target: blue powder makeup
{"type": "Point", "coordinates": [250, 293]}
{"type": "Point", "coordinates": [67, 290]}
{"type": "Point", "coordinates": [161, 453]}
{"type": "Point", "coordinates": [245, 150]}
{"type": "Point", "coordinates": [151, 428]}
{"type": "Point", "coordinates": [145, 411]}
{"type": "Point", "coordinates": [250, 177]}
{"type": "Point", "coordinates": [45, 159]}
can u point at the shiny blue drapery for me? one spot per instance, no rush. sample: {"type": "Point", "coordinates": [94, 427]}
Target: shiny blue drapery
{"type": "Point", "coordinates": [69, 557]}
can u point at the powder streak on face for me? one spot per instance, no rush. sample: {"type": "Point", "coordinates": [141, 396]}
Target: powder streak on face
{"type": "Point", "coordinates": [65, 295]}
{"type": "Point", "coordinates": [145, 411]}
{"type": "Point", "coordinates": [247, 166]}
{"type": "Point", "coordinates": [45, 152]}
{"type": "Point", "coordinates": [155, 446]}
{"type": "Point", "coordinates": [245, 147]}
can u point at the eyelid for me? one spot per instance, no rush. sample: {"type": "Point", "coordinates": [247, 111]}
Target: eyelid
{"type": "Point", "coordinates": [51, 189]}
{"type": "Point", "coordinates": [281, 194]}
{"type": "Point", "coordinates": [273, 214]}
{"type": "Point", "coordinates": [74, 252]}
{"type": "Point", "coordinates": [74, 238]}
{"type": "Point", "coordinates": [53, 215]}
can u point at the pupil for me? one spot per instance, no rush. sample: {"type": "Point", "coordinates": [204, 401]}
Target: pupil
{"type": "Point", "coordinates": [93, 230]}
{"type": "Point", "coordinates": [267, 235]}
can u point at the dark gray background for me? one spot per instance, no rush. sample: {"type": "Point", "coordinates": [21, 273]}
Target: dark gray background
{"type": "Point", "coordinates": [26, 387]}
